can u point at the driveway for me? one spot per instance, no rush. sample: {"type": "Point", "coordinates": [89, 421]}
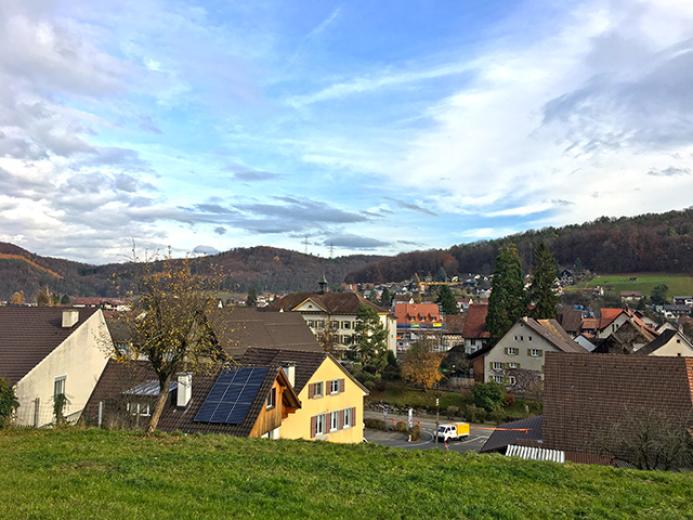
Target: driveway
{"type": "Point", "coordinates": [474, 442]}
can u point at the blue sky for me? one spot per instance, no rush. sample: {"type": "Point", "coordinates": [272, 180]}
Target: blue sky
{"type": "Point", "coordinates": [375, 127]}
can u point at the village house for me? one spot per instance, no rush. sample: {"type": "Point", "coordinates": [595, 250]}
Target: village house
{"type": "Point", "coordinates": [418, 321]}
{"type": "Point", "coordinates": [49, 355]}
{"type": "Point", "coordinates": [453, 331]}
{"type": "Point", "coordinates": [332, 400]}
{"type": "Point", "coordinates": [336, 312]}
{"type": "Point", "coordinates": [668, 343]}
{"type": "Point", "coordinates": [474, 331]}
{"type": "Point", "coordinates": [242, 400]}
{"type": "Point", "coordinates": [517, 360]}
{"type": "Point", "coordinates": [622, 331]}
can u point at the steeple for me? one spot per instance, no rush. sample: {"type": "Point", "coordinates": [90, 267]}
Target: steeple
{"type": "Point", "coordinates": [323, 284]}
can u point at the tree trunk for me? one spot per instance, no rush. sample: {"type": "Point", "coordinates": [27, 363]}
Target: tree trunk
{"type": "Point", "coordinates": [160, 404]}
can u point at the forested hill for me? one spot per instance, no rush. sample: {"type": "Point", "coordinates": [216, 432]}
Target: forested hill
{"type": "Point", "coordinates": [646, 243]}
{"type": "Point", "coordinates": [266, 268]}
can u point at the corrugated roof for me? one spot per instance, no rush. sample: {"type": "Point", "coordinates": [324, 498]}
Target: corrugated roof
{"type": "Point", "coordinates": [532, 453]}
{"type": "Point", "coordinates": [29, 334]}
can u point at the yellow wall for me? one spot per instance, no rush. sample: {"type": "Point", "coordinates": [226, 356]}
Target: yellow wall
{"type": "Point", "coordinates": [297, 425]}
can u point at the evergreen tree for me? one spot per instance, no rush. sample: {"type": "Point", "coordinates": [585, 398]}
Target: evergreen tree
{"type": "Point", "coordinates": [65, 300]}
{"type": "Point", "coordinates": [370, 340]}
{"type": "Point", "coordinates": [541, 292]}
{"type": "Point", "coordinates": [507, 303]}
{"type": "Point", "coordinates": [446, 300]}
{"type": "Point", "coordinates": [386, 298]}
{"type": "Point", "coordinates": [251, 299]}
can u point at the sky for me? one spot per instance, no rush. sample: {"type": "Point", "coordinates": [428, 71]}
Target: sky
{"type": "Point", "coordinates": [339, 127]}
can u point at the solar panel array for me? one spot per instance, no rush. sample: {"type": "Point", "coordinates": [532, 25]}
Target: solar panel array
{"type": "Point", "coordinates": [231, 396]}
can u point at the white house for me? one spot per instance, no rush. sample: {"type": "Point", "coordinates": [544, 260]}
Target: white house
{"type": "Point", "coordinates": [668, 343]}
{"type": "Point", "coordinates": [49, 351]}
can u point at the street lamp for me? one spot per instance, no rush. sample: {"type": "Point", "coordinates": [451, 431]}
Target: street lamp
{"type": "Point", "coordinates": [437, 418]}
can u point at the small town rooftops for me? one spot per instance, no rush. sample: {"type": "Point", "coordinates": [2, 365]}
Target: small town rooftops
{"type": "Point", "coordinates": [332, 303]}
{"type": "Point", "coordinates": [475, 322]}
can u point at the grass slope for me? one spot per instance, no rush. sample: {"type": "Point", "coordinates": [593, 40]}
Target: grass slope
{"type": "Point", "coordinates": [679, 284]}
{"type": "Point", "coordinates": [99, 474]}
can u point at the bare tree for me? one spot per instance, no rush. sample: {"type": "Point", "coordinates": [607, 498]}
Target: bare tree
{"type": "Point", "coordinates": [168, 325]}
{"type": "Point", "coordinates": [648, 438]}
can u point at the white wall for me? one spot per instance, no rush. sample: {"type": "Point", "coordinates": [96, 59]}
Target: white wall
{"type": "Point", "coordinates": [676, 346]}
{"type": "Point", "coordinates": [81, 358]}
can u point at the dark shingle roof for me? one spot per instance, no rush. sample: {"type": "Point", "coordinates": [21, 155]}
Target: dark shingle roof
{"type": "Point", "coordinates": [333, 303]}
{"type": "Point", "coordinates": [511, 433]}
{"type": "Point", "coordinates": [570, 320]}
{"type": "Point", "coordinates": [586, 395]}
{"type": "Point", "coordinates": [454, 323]}
{"type": "Point", "coordinates": [239, 329]}
{"type": "Point", "coordinates": [118, 378]}
{"type": "Point", "coordinates": [29, 334]}
{"type": "Point", "coordinates": [657, 343]}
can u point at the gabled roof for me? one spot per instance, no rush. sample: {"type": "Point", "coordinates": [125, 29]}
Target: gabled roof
{"type": "Point", "coordinates": [528, 429]}
{"type": "Point", "coordinates": [238, 329]}
{"type": "Point", "coordinates": [29, 334]}
{"type": "Point", "coordinates": [585, 396]}
{"type": "Point", "coordinates": [407, 313]}
{"type": "Point", "coordinates": [454, 323]}
{"type": "Point", "coordinates": [570, 320]}
{"type": "Point", "coordinates": [333, 303]}
{"type": "Point", "coordinates": [119, 379]}
{"type": "Point", "coordinates": [660, 341]}
{"type": "Point", "coordinates": [306, 363]}
{"type": "Point", "coordinates": [607, 315]}
{"type": "Point", "coordinates": [552, 332]}
{"type": "Point", "coordinates": [475, 322]}
{"type": "Point", "coordinates": [590, 324]}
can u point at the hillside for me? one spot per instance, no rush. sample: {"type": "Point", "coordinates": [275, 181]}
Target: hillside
{"type": "Point", "coordinates": [98, 474]}
{"type": "Point", "coordinates": [264, 267]}
{"type": "Point", "coordinates": [646, 243]}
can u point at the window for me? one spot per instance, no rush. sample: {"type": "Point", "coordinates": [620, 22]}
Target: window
{"type": "Point", "coordinates": [346, 324]}
{"type": "Point", "coordinates": [529, 338]}
{"type": "Point", "coordinates": [334, 325]}
{"type": "Point", "coordinates": [512, 351]}
{"type": "Point", "coordinates": [320, 324]}
{"type": "Point", "coordinates": [59, 386]}
{"type": "Point", "coordinates": [497, 365]}
{"type": "Point", "coordinates": [334, 386]}
{"type": "Point", "coordinates": [272, 398]}
{"type": "Point", "coordinates": [522, 338]}
{"type": "Point", "coordinates": [535, 352]}
{"type": "Point", "coordinates": [334, 421]}
{"type": "Point", "coordinates": [513, 365]}
{"type": "Point", "coordinates": [348, 419]}
{"type": "Point", "coordinates": [512, 380]}
{"type": "Point", "coordinates": [139, 409]}
{"type": "Point", "coordinates": [311, 323]}
{"type": "Point", "coordinates": [317, 390]}
{"type": "Point", "coordinates": [347, 340]}
{"type": "Point", "coordinates": [320, 425]}
{"type": "Point", "coordinates": [498, 379]}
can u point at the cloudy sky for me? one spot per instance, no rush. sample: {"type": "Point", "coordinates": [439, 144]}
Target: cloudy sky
{"type": "Point", "coordinates": [371, 126]}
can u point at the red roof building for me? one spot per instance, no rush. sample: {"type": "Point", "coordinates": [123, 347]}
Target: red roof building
{"type": "Point", "coordinates": [418, 315]}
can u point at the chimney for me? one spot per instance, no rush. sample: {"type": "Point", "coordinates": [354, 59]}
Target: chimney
{"type": "Point", "coordinates": [184, 390]}
{"type": "Point", "coordinates": [290, 369]}
{"type": "Point", "coordinates": [70, 318]}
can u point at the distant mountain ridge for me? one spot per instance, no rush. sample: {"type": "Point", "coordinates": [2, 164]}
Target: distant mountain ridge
{"type": "Point", "coordinates": [651, 242]}
{"type": "Point", "coordinates": [267, 268]}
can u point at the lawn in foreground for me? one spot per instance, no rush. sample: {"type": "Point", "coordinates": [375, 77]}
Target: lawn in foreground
{"type": "Point", "coordinates": [100, 474]}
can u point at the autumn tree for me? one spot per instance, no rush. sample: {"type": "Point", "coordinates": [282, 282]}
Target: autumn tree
{"type": "Point", "coordinates": [326, 338]}
{"type": "Point", "coordinates": [17, 298]}
{"type": "Point", "coordinates": [541, 292]}
{"type": "Point", "coordinates": [370, 340]}
{"type": "Point", "coordinates": [168, 325]}
{"type": "Point", "coordinates": [507, 302]}
{"type": "Point", "coordinates": [421, 365]}
{"type": "Point", "coordinates": [447, 301]}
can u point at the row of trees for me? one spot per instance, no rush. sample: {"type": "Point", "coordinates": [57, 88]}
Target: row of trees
{"type": "Point", "coordinates": [509, 301]}
{"type": "Point", "coordinates": [44, 298]}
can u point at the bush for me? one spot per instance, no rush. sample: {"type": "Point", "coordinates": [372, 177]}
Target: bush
{"type": "Point", "coordinates": [8, 402]}
{"type": "Point", "coordinates": [402, 427]}
{"type": "Point", "coordinates": [488, 396]}
{"type": "Point", "coordinates": [416, 433]}
{"type": "Point", "coordinates": [453, 411]}
{"type": "Point", "coordinates": [473, 413]}
{"type": "Point", "coordinates": [375, 424]}
{"type": "Point", "coordinates": [509, 399]}
{"type": "Point", "coordinates": [370, 385]}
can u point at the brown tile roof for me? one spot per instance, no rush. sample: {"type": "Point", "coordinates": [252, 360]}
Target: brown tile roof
{"type": "Point", "coordinates": [238, 329]}
{"type": "Point", "coordinates": [29, 334]}
{"type": "Point", "coordinates": [333, 303]}
{"type": "Point", "coordinates": [552, 332]}
{"type": "Point", "coordinates": [586, 395]}
{"type": "Point", "coordinates": [590, 324]}
{"type": "Point", "coordinates": [419, 313]}
{"type": "Point", "coordinates": [475, 322]}
{"type": "Point", "coordinates": [454, 323]}
{"type": "Point", "coordinates": [570, 320]}
{"type": "Point", "coordinates": [118, 378]}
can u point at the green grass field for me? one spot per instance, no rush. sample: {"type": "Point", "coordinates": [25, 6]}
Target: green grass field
{"type": "Point", "coordinates": [97, 474]}
{"type": "Point", "coordinates": [679, 284]}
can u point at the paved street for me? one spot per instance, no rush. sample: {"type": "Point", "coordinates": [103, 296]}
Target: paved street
{"type": "Point", "coordinates": [474, 442]}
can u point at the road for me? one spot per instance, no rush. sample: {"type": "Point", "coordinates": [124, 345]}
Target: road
{"type": "Point", "coordinates": [474, 442]}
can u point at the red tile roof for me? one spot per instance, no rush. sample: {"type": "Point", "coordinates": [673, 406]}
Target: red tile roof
{"type": "Point", "coordinates": [475, 322]}
{"type": "Point", "coordinates": [419, 313]}
{"type": "Point", "coordinates": [607, 315]}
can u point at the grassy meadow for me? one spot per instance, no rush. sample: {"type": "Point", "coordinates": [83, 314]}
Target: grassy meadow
{"type": "Point", "coordinates": [99, 474]}
{"type": "Point", "coordinates": [679, 284]}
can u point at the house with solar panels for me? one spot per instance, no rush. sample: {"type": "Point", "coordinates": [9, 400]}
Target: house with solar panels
{"type": "Point", "coordinates": [246, 401]}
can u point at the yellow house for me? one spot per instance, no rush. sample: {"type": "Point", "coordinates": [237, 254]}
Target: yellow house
{"type": "Point", "coordinates": [331, 398]}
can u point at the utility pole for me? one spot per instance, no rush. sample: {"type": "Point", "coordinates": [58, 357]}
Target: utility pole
{"type": "Point", "coordinates": [331, 250]}
{"type": "Point", "coordinates": [305, 244]}
{"type": "Point", "coordinates": [437, 418]}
